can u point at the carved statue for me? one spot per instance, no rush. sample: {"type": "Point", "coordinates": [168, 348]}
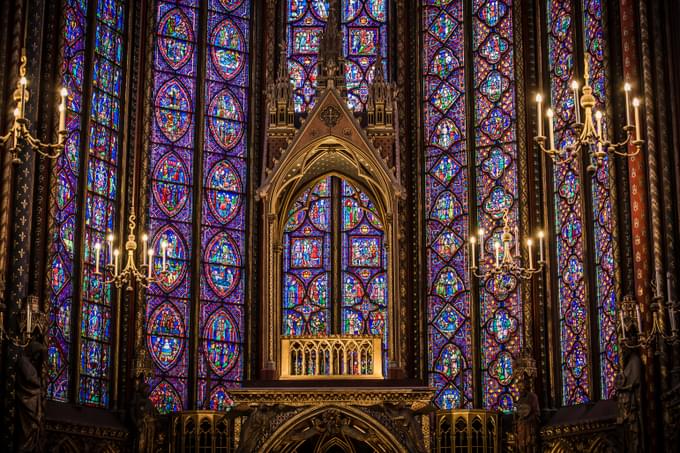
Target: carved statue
{"type": "Point", "coordinates": [143, 415]}
{"type": "Point", "coordinates": [628, 399]}
{"type": "Point", "coordinates": [256, 423]}
{"type": "Point", "coordinates": [29, 388]}
{"type": "Point", "coordinates": [405, 418]}
{"type": "Point", "coordinates": [527, 417]}
{"type": "Point", "coordinates": [333, 423]}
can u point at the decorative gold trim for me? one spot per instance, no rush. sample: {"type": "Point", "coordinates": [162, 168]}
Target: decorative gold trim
{"type": "Point", "coordinates": [356, 396]}
{"type": "Point", "coordinates": [332, 357]}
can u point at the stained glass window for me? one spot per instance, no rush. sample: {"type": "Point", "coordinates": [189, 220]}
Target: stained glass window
{"type": "Point", "coordinates": [364, 26]}
{"type": "Point", "coordinates": [307, 263]}
{"type": "Point", "coordinates": [221, 320]}
{"type": "Point", "coordinates": [448, 197]}
{"type": "Point", "coordinates": [571, 214]}
{"type": "Point", "coordinates": [450, 330]}
{"type": "Point", "coordinates": [568, 218]}
{"type": "Point", "coordinates": [594, 44]}
{"type": "Point", "coordinates": [496, 158]}
{"type": "Point", "coordinates": [102, 161]}
{"type": "Point", "coordinates": [334, 216]}
{"type": "Point", "coordinates": [65, 210]}
{"type": "Point", "coordinates": [171, 208]}
{"type": "Point", "coordinates": [364, 282]}
{"type": "Point", "coordinates": [100, 201]}
{"type": "Point", "coordinates": [219, 292]}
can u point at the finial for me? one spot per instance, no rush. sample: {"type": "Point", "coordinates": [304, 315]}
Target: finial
{"type": "Point", "coordinates": [379, 67]}
{"type": "Point", "coordinates": [586, 71]}
{"type": "Point", "coordinates": [283, 63]}
{"type": "Point", "coordinates": [333, 14]}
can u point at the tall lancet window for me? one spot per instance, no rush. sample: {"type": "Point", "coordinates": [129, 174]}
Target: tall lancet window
{"type": "Point", "coordinates": [471, 164]}
{"type": "Point", "coordinates": [364, 27]}
{"type": "Point", "coordinates": [82, 307]}
{"type": "Point", "coordinates": [195, 315]}
{"type": "Point", "coordinates": [334, 261]}
{"type": "Point", "coordinates": [582, 302]}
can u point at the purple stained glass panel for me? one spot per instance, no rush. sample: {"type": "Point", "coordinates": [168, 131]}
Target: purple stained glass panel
{"type": "Point", "coordinates": [64, 213]}
{"type": "Point", "coordinates": [171, 212]}
{"type": "Point", "coordinates": [223, 241]}
{"type": "Point", "coordinates": [446, 202]}
{"type": "Point", "coordinates": [497, 189]}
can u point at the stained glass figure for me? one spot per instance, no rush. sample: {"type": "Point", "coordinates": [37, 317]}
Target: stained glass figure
{"type": "Point", "coordinates": [364, 25]}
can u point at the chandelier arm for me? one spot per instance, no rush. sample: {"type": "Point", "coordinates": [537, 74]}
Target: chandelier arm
{"type": "Point", "coordinates": [5, 138]}
{"type": "Point", "coordinates": [625, 154]}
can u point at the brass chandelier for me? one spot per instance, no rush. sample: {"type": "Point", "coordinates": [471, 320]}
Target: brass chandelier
{"type": "Point", "coordinates": [19, 129]}
{"type": "Point", "coordinates": [506, 259]}
{"type": "Point", "coordinates": [589, 129]}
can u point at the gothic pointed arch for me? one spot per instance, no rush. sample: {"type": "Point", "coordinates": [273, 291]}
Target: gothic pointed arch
{"type": "Point", "coordinates": [330, 141]}
{"type": "Point", "coordinates": [341, 425]}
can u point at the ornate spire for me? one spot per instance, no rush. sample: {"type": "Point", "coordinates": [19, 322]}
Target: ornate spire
{"type": "Point", "coordinates": [280, 95]}
{"type": "Point", "coordinates": [379, 105]}
{"type": "Point", "coordinates": [331, 62]}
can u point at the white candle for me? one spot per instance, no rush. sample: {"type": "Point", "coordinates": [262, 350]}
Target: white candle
{"type": "Point", "coordinates": [481, 245]}
{"type": "Point", "coordinates": [62, 110]}
{"type": "Point", "coordinates": [636, 107]}
{"type": "Point", "coordinates": [507, 258]}
{"type": "Point", "coordinates": [530, 244]}
{"type": "Point", "coordinates": [577, 109]}
{"type": "Point", "coordinates": [15, 136]}
{"type": "Point", "coordinates": [671, 316]}
{"type": "Point", "coordinates": [62, 118]}
{"type": "Point", "coordinates": [551, 129]}
{"type": "Point", "coordinates": [150, 253]}
{"type": "Point", "coordinates": [539, 114]}
{"type": "Point", "coordinates": [97, 251]}
{"type": "Point", "coordinates": [498, 253]}
{"type": "Point", "coordinates": [145, 238]}
{"type": "Point", "coordinates": [109, 240]}
{"type": "Point", "coordinates": [639, 319]}
{"type": "Point", "coordinates": [116, 253]}
{"type": "Point", "coordinates": [540, 246]}
{"type": "Point", "coordinates": [623, 326]}
{"type": "Point", "coordinates": [626, 89]}
{"type": "Point", "coordinates": [598, 120]}
{"type": "Point", "coordinates": [473, 251]}
{"type": "Point", "coordinates": [28, 317]}
{"type": "Point", "coordinates": [164, 251]}
{"type": "Point", "coordinates": [22, 101]}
